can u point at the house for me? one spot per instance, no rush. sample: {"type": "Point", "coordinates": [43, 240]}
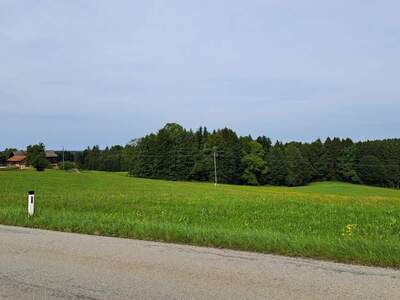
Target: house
{"type": "Point", "coordinates": [52, 157]}
{"type": "Point", "coordinates": [17, 159]}
{"type": "Point", "coordinates": [18, 152]}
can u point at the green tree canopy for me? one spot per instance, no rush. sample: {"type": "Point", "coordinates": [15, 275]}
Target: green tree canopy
{"type": "Point", "coordinates": [255, 167]}
{"type": "Point", "coordinates": [36, 156]}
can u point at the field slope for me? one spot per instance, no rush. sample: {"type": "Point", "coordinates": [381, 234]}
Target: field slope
{"type": "Point", "coordinates": [335, 221]}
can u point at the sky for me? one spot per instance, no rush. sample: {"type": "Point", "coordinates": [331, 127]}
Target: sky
{"type": "Point", "coordinates": [86, 72]}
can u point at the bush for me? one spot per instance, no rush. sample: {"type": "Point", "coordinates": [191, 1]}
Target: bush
{"type": "Point", "coordinates": [67, 165]}
{"type": "Point", "coordinates": [39, 163]}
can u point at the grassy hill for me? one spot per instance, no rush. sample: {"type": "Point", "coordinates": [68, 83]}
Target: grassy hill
{"type": "Point", "coordinates": [336, 221]}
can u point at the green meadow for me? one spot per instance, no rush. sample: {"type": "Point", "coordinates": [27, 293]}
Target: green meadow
{"type": "Point", "coordinates": [329, 220]}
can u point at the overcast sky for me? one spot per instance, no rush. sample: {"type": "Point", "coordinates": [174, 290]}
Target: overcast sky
{"type": "Point", "coordinates": [77, 73]}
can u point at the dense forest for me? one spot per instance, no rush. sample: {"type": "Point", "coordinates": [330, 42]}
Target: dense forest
{"type": "Point", "coordinates": [174, 153]}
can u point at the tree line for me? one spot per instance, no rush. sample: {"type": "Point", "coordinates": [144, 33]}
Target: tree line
{"type": "Point", "coordinates": [175, 153]}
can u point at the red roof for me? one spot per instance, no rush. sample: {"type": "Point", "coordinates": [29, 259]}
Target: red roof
{"type": "Point", "coordinates": [17, 158]}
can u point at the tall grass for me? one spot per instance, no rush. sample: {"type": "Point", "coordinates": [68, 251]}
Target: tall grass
{"type": "Point", "coordinates": [335, 221]}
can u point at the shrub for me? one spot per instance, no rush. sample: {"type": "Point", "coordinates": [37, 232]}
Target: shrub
{"type": "Point", "coordinates": [67, 165]}
{"type": "Point", "coordinates": [39, 163]}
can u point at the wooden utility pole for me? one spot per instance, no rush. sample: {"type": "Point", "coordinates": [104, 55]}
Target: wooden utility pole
{"type": "Point", "coordinates": [215, 169]}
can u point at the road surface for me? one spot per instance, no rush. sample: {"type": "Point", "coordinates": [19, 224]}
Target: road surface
{"type": "Point", "coordinates": [37, 264]}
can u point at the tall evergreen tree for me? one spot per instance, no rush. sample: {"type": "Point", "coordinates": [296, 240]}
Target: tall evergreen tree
{"type": "Point", "coordinates": [319, 160]}
{"type": "Point", "coordinates": [392, 175]}
{"type": "Point", "coordinates": [371, 170]}
{"type": "Point", "coordinates": [276, 164]}
{"type": "Point", "coordinates": [346, 168]}
{"type": "Point", "coordinates": [297, 167]}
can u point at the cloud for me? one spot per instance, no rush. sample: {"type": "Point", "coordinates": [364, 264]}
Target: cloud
{"type": "Point", "coordinates": [113, 71]}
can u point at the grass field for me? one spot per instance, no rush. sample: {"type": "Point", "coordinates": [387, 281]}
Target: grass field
{"type": "Point", "coordinates": [335, 221]}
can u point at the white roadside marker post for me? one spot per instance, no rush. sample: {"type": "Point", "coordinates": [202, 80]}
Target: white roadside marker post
{"type": "Point", "coordinates": [31, 203]}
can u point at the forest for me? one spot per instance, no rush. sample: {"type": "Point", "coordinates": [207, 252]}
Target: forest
{"type": "Point", "coordinates": [175, 153]}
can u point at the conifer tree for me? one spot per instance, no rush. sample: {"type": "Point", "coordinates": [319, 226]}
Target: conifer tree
{"type": "Point", "coordinates": [296, 167]}
{"type": "Point", "coordinates": [346, 169]}
{"type": "Point", "coordinates": [371, 170]}
{"type": "Point", "coordinates": [276, 163]}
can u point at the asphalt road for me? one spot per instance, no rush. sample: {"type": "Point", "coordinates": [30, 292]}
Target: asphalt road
{"type": "Point", "coordinates": [39, 264]}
